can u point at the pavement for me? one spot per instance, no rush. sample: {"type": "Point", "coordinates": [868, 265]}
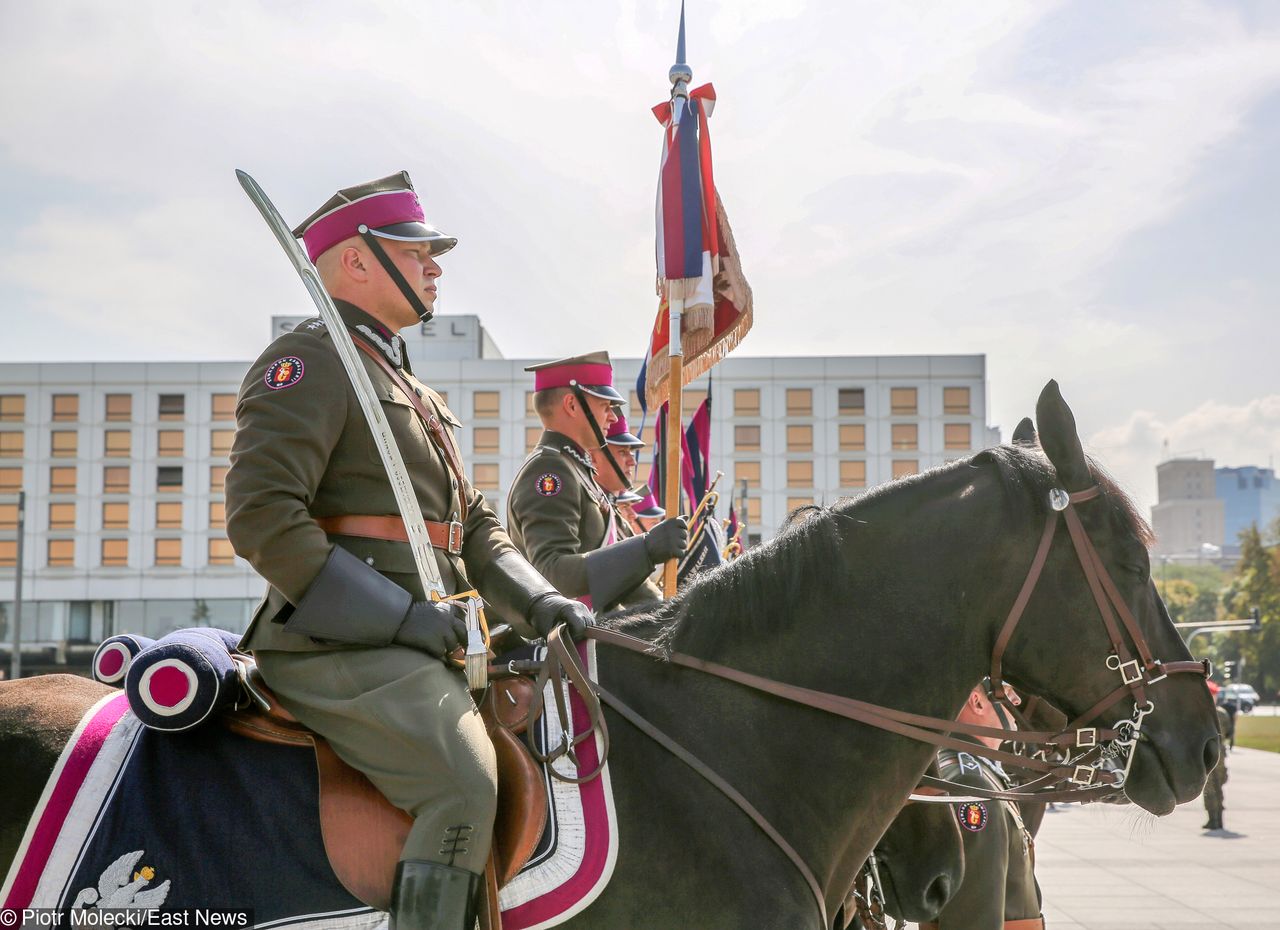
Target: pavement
{"type": "Point", "coordinates": [1104, 867]}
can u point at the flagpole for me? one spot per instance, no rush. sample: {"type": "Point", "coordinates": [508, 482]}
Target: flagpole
{"type": "Point", "coordinates": [674, 430]}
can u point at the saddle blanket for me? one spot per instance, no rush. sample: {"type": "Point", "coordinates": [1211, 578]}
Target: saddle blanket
{"type": "Point", "coordinates": [206, 818]}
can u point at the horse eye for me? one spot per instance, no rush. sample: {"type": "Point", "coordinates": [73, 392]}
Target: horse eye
{"type": "Point", "coordinates": [1139, 571]}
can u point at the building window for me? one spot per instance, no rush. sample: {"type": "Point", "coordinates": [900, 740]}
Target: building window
{"type": "Point", "coordinates": [906, 436]}
{"type": "Point", "coordinates": [485, 405]}
{"type": "Point", "coordinates": [13, 408]}
{"type": "Point", "coordinates": [957, 436]}
{"type": "Point", "coordinates": [115, 515]}
{"type": "Point", "coordinates": [746, 438]}
{"type": "Point", "coordinates": [222, 407]}
{"type": "Point", "coordinates": [746, 402]}
{"type": "Point", "coordinates": [11, 480]}
{"type": "Point", "coordinates": [8, 553]}
{"type": "Point", "coordinates": [637, 411]}
{"type": "Point", "coordinates": [8, 516]}
{"type": "Point", "coordinates": [485, 475]}
{"type": "Point", "coordinates": [119, 406]}
{"type": "Point", "coordinates": [170, 444]}
{"type": "Point", "coordinates": [66, 408]}
{"type": "Point", "coordinates": [531, 436]}
{"type": "Point", "coordinates": [217, 478]}
{"type": "Point", "coordinates": [173, 406]}
{"type": "Point", "coordinates": [63, 443]}
{"type": "Point", "coordinates": [117, 443]}
{"type": "Point", "coordinates": [62, 553]}
{"type": "Point", "coordinates": [115, 479]}
{"type": "Point", "coordinates": [62, 479]}
{"type": "Point", "coordinates": [853, 437]}
{"type": "Point", "coordinates": [217, 514]}
{"type": "Point", "coordinates": [904, 467]}
{"type": "Point", "coordinates": [220, 552]}
{"type": "Point", "coordinates": [220, 441]}
{"type": "Point", "coordinates": [169, 478]}
{"type": "Point", "coordinates": [62, 516]}
{"type": "Point", "coordinates": [691, 401]}
{"type": "Point", "coordinates": [852, 402]}
{"type": "Point", "coordinates": [11, 445]}
{"type": "Point", "coordinates": [800, 438]}
{"type": "Point", "coordinates": [795, 503]}
{"type": "Point", "coordinates": [799, 402]}
{"type": "Point", "coordinates": [529, 409]}
{"type": "Point", "coordinates": [169, 515]}
{"type": "Point", "coordinates": [748, 472]}
{"type": "Point", "coordinates": [484, 440]}
{"type": "Point", "coordinates": [853, 474]}
{"type": "Point", "coordinates": [800, 474]}
{"type": "Point", "coordinates": [115, 553]}
{"type": "Point", "coordinates": [902, 400]}
{"type": "Point", "coordinates": [168, 552]}
{"type": "Point", "coordinates": [955, 400]}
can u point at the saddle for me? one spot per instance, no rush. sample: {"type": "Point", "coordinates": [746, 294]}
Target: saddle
{"type": "Point", "coordinates": [364, 834]}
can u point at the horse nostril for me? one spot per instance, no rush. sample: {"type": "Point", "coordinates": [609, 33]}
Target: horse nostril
{"type": "Point", "coordinates": [938, 894]}
{"type": "Point", "coordinates": [1211, 753]}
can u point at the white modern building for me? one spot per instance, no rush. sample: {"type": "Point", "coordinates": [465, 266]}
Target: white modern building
{"type": "Point", "coordinates": [122, 465]}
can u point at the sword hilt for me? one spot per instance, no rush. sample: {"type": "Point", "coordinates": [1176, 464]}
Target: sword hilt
{"type": "Point", "coordinates": [476, 661]}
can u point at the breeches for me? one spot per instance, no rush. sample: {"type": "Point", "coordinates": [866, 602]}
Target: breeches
{"type": "Point", "coordinates": [409, 724]}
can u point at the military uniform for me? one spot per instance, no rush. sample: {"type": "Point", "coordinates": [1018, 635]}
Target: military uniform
{"type": "Point", "coordinates": [1218, 777]}
{"type": "Point", "coordinates": [341, 633]}
{"type": "Point", "coordinates": [999, 888]}
{"type": "Point", "coordinates": [558, 515]}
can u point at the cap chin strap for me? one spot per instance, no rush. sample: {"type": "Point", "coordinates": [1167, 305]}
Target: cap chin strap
{"type": "Point", "coordinates": [415, 302]}
{"type": "Point", "coordinates": [581, 395]}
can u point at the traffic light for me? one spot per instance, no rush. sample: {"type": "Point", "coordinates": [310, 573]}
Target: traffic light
{"type": "Point", "coordinates": [1229, 669]}
{"type": "Point", "coordinates": [1255, 615]}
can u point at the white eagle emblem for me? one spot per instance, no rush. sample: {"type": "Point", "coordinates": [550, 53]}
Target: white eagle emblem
{"type": "Point", "coordinates": [120, 886]}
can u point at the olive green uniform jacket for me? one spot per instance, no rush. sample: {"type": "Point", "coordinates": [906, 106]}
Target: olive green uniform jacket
{"type": "Point", "coordinates": [304, 450]}
{"type": "Point", "coordinates": [999, 878]}
{"type": "Point", "coordinates": [557, 513]}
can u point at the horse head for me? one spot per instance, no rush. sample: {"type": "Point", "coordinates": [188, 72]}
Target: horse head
{"type": "Point", "coordinates": [1118, 673]}
{"type": "Point", "coordinates": [921, 859]}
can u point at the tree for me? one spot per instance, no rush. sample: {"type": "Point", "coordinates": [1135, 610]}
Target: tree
{"type": "Point", "coordinates": [1256, 583]}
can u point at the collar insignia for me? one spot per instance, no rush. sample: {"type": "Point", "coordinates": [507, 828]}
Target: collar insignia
{"type": "Point", "coordinates": [390, 349]}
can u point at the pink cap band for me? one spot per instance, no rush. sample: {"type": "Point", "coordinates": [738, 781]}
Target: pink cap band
{"type": "Point", "coordinates": [586, 375]}
{"type": "Point", "coordinates": [374, 211]}
{"type": "Point", "coordinates": [618, 428]}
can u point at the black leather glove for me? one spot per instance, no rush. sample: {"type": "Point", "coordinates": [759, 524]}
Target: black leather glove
{"type": "Point", "coordinates": [551, 609]}
{"type": "Point", "coordinates": [667, 540]}
{"type": "Point", "coordinates": [435, 627]}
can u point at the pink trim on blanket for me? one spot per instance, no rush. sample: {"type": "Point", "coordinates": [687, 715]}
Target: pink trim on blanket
{"type": "Point", "coordinates": [76, 766]}
{"type": "Point", "coordinates": [596, 851]}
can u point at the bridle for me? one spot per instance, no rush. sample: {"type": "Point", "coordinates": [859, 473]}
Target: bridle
{"type": "Point", "coordinates": [1081, 771]}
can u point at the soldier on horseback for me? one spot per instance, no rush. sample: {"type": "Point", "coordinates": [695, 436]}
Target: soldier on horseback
{"type": "Point", "coordinates": [558, 513]}
{"type": "Point", "coordinates": [346, 636]}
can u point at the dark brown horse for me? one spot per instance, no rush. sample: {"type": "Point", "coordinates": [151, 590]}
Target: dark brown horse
{"type": "Point", "coordinates": [895, 599]}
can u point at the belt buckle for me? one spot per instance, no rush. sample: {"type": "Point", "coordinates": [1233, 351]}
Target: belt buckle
{"type": "Point", "coordinates": [454, 546]}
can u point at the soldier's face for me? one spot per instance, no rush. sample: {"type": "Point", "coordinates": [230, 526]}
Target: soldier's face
{"type": "Point", "coordinates": [420, 271]}
{"type": "Point", "coordinates": [626, 461]}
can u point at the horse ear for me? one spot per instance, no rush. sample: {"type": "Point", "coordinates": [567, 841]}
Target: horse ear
{"type": "Point", "coordinates": [1024, 434]}
{"type": "Point", "coordinates": [1060, 441]}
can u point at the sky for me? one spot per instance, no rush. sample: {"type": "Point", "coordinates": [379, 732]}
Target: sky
{"type": "Point", "coordinates": [1078, 190]}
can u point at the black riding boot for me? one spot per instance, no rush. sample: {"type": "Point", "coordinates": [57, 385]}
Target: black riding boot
{"type": "Point", "coordinates": [431, 896]}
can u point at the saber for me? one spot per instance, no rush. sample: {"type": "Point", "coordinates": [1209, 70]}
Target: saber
{"type": "Point", "coordinates": [476, 660]}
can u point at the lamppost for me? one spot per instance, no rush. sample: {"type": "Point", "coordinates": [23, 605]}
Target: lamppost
{"type": "Point", "coordinates": [15, 659]}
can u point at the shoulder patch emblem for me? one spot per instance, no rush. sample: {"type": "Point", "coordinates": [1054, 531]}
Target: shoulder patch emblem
{"type": "Point", "coordinates": [549, 485]}
{"type": "Point", "coordinates": [283, 372]}
{"type": "Point", "coordinates": [972, 815]}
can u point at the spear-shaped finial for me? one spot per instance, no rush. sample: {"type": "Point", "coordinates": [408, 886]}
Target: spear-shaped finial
{"type": "Point", "coordinates": [680, 74]}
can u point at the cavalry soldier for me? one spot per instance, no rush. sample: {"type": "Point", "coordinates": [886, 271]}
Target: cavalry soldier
{"type": "Point", "coordinates": [615, 464]}
{"type": "Point", "coordinates": [999, 889]}
{"type": "Point", "coordinates": [648, 513]}
{"type": "Point", "coordinates": [557, 512]}
{"type": "Point", "coordinates": [345, 635]}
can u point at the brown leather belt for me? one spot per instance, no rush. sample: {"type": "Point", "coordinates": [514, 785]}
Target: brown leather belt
{"type": "Point", "coordinates": [1026, 923]}
{"type": "Point", "coordinates": [446, 536]}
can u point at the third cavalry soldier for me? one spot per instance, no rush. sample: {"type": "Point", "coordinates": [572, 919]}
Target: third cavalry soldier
{"type": "Point", "coordinates": [615, 464]}
{"type": "Point", "coordinates": [346, 636]}
{"type": "Point", "coordinates": [999, 889]}
{"type": "Point", "coordinates": [557, 512]}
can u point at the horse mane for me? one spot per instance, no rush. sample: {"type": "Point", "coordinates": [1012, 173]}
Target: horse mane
{"type": "Point", "coordinates": [797, 565]}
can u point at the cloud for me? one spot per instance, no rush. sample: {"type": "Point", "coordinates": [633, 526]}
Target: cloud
{"type": "Point", "coordinates": [1230, 434]}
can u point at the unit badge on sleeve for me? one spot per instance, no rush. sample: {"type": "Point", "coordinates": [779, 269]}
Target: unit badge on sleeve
{"type": "Point", "coordinates": [549, 485]}
{"type": "Point", "coordinates": [283, 372]}
{"type": "Point", "coordinates": [973, 815]}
